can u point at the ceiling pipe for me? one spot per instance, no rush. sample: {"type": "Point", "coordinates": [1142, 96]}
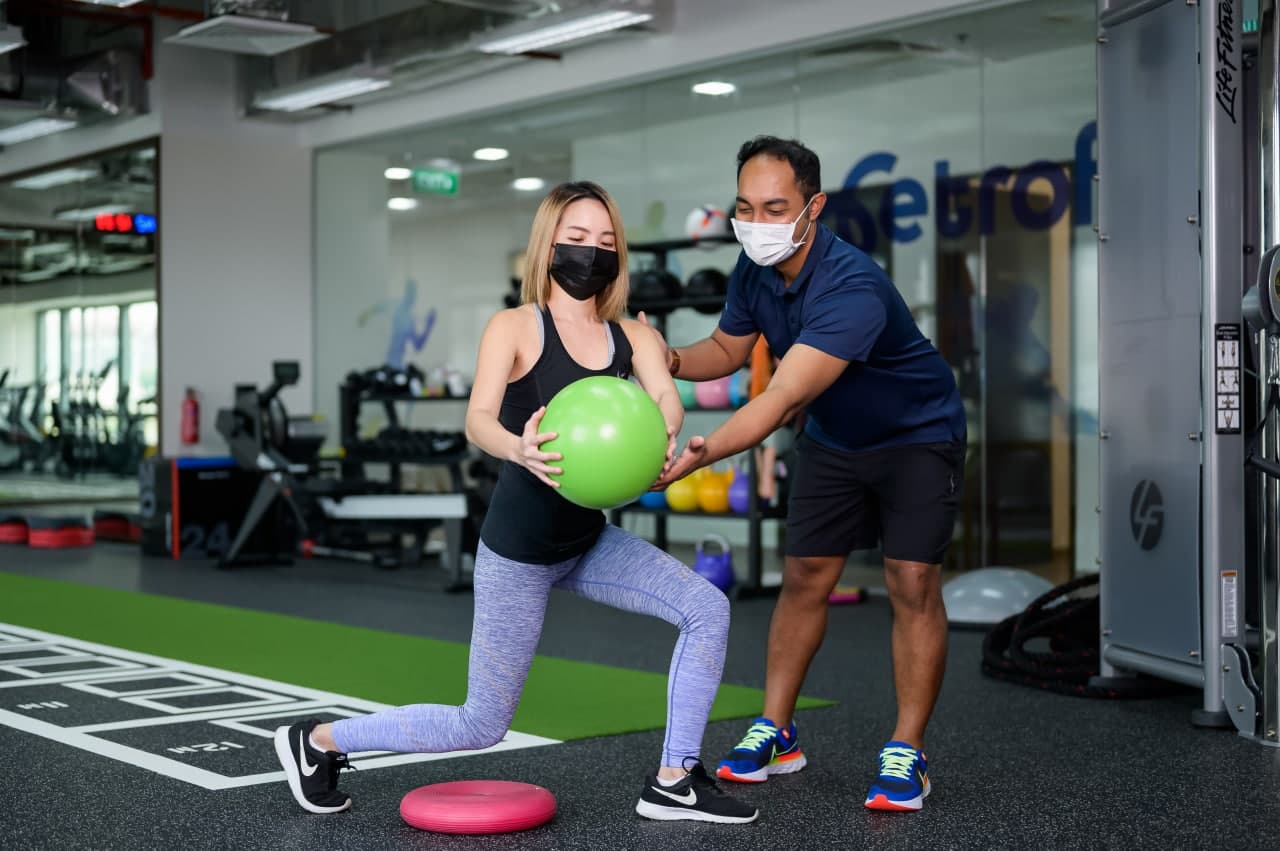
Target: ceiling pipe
{"type": "Point", "coordinates": [57, 9]}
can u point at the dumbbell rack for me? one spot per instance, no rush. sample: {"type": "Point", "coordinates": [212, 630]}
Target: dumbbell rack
{"type": "Point", "coordinates": [756, 513]}
{"type": "Point", "coordinates": [659, 249]}
{"type": "Point", "coordinates": [351, 400]}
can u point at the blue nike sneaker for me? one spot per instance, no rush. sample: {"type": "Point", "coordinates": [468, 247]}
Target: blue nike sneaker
{"type": "Point", "coordinates": [903, 783]}
{"type": "Point", "coordinates": [763, 751]}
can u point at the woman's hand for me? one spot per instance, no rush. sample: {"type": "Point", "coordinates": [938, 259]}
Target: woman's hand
{"type": "Point", "coordinates": [530, 455]}
{"type": "Point", "coordinates": [671, 445]}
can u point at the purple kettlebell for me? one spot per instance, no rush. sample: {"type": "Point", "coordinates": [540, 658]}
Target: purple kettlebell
{"type": "Point", "coordinates": [740, 493]}
{"type": "Point", "coordinates": [716, 568]}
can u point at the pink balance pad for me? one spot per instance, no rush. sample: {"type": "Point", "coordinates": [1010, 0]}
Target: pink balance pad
{"type": "Point", "coordinates": [478, 806]}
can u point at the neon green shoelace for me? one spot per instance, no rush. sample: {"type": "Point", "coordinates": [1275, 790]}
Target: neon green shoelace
{"type": "Point", "coordinates": [756, 737]}
{"type": "Point", "coordinates": [897, 762]}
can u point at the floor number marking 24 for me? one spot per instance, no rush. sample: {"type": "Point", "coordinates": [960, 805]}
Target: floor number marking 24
{"type": "Point", "coordinates": [207, 748]}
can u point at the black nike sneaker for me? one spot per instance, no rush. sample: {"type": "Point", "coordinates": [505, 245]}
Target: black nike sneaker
{"type": "Point", "coordinates": [695, 798]}
{"type": "Point", "coordinates": [312, 773]}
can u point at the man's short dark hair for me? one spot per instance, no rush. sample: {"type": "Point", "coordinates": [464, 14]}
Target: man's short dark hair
{"type": "Point", "coordinates": [804, 162]}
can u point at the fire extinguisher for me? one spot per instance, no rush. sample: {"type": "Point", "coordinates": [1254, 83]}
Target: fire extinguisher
{"type": "Point", "coordinates": [190, 418]}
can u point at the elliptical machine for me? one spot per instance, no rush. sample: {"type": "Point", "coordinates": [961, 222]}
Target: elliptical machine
{"type": "Point", "coordinates": [264, 438]}
{"type": "Point", "coordinates": [23, 445]}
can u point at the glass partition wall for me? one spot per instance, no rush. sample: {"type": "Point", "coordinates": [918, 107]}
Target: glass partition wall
{"type": "Point", "coordinates": [78, 344]}
{"type": "Point", "coordinates": [958, 153]}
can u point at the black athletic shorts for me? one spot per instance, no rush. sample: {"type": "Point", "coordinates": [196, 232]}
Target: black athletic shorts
{"type": "Point", "coordinates": [903, 498]}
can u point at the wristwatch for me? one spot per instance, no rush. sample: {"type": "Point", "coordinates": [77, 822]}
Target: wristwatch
{"type": "Point", "coordinates": [675, 361]}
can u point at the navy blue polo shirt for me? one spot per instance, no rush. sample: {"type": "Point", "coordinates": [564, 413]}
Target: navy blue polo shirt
{"type": "Point", "coordinates": [897, 390]}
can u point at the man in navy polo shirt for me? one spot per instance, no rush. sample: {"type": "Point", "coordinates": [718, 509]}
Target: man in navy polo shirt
{"type": "Point", "coordinates": [880, 461]}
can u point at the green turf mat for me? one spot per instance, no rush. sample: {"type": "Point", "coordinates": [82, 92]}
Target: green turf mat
{"type": "Point", "coordinates": [562, 699]}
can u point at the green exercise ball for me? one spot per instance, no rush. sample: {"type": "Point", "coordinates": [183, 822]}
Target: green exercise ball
{"type": "Point", "coordinates": [613, 439]}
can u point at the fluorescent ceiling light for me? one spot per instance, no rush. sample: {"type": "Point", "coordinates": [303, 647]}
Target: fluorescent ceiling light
{"type": "Point", "coordinates": [88, 214]}
{"type": "Point", "coordinates": [317, 92]}
{"type": "Point", "coordinates": [402, 204]}
{"type": "Point", "coordinates": [58, 177]}
{"type": "Point", "coordinates": [119, 4]}
{"type": "Point", "coordinates": [398, 172]}
{"type": "Point", "coordinates": [491, 154]}
{"type": "Point", "coordinates": [528, 184]}
{"type": "Point", "coordinates": [714, 88]}
{"type": "Point", "coordinates": [566, 31]}
{"type": "Point", "coordinates": [29, 130]}
{"type": "Point", "coordinates": [11, 38]}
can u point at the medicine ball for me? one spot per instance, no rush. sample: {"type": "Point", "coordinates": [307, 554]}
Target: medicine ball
{"type": "Point", "coordinates": [706, 283]}
{"type": "Point", "coordinates": [650, 286]}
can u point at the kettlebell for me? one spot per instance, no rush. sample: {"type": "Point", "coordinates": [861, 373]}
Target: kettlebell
{"type": "Point", "coordinates": [716, 568]}
{"type": "Point", "coordinates": [713, 393]}
{"type": "Point", "coordinates": [688, 396]}
{"type": "Point", "coordinates": [682, 495]}
{"type": "Point", "coordinates": [740, 388]}
{"type": "Point", "coordinates": [740, 493]}
{"type": "Point", "coordinates": [713, 491]}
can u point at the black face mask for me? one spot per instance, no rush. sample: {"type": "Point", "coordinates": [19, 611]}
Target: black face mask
{"type": "Point", "coordinates": [583, 270]}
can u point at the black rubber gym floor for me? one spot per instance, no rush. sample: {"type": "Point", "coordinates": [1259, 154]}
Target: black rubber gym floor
{"type": "Point", "coordinates": [1011, 767]}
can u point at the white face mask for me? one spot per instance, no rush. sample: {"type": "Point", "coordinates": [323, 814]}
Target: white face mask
{"type": "Point", "coordinates": [769, 244]}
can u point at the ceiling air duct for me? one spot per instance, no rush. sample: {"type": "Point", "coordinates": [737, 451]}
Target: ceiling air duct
{"type": "Point", "coordinates": [251, 27]}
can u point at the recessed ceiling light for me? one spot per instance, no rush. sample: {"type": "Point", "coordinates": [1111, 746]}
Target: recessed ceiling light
{"type": "Point", "coordinates": [528, 184]}
{"type": "Point", "coordinates": [398, 172]}
{"type": "Point", "coordinates": [402, 204]}
{"type": "Point", "coordinates": [715, 88]}
{"type": "Point", "coordinates": [491, 154]}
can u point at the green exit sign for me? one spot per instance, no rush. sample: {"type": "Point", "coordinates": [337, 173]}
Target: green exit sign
{"type": "Point", "coordinates": [435, 181]}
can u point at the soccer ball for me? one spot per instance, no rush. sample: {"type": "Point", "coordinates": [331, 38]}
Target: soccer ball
{"type": "Point", "coordinates": [706, 221]}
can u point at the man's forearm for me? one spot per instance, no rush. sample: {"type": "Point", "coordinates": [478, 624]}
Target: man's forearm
{"type": "Point", "coordinates": [749, 425]}
{"type": "Point", "coordinates": [703, 361]}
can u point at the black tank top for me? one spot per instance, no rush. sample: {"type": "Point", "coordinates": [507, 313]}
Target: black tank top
{"type": "Point", "coordinates": [528, 521]}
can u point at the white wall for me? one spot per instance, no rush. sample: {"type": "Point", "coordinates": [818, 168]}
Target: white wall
{"type": "Point", "coordinates": [352, 256]}
{"type": "Point", "coordinates": [236, 238]}
{"type": "Point", "coordinates": [463, 266]}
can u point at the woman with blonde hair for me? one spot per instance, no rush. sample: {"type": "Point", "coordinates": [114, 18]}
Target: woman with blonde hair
{"type": "Point", "coordinates": [568, 327]}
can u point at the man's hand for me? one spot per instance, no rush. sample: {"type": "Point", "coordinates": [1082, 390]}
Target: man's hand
{"type": "Point", "coordinates": [644, 320]}
{"type": "Point", "coordinates": [693, 457]}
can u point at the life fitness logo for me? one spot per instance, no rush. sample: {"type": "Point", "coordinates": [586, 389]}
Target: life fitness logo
{"type": "Point", "coordinates": [1146, 514]}
{"type": "Point", "coordinates": [956, 211]}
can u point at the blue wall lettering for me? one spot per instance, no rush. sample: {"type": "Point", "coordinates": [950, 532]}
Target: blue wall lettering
{"type": "Point", "coordinates": [904, 201]}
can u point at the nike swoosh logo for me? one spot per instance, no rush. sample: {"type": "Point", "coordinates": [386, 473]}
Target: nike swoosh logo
{"type": "Point", "coordinates": [307, 768]}
{"type": "Point", "coordinates": [689, 798]}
